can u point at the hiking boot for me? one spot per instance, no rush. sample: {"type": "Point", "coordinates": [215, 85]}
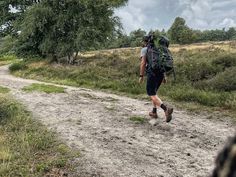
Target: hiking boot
{"type": "Point", "coordinates": [168, 114]}
{"type": "Point", "coordinates": [153, 115]}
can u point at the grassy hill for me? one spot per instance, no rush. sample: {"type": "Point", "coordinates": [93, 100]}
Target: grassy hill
{"type": "Point", "coordinates": [205, 73]}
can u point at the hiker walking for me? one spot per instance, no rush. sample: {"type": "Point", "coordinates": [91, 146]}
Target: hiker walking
{"type": "Point", "coordinates": [155, 76]}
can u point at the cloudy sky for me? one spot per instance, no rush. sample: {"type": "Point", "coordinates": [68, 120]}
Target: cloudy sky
{"type": "Point", "coordinates": [159, 14]}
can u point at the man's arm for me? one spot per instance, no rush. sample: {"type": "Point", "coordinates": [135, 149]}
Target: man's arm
{"type": "Point", "coordinates": [142, 68]}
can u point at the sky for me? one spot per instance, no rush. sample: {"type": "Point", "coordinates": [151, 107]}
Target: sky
{"type": "Point", "coordinates": [160, 14]}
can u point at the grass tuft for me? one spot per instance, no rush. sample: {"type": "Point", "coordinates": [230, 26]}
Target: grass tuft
{"type": "Point", "coordinates": [4, 89]}
{"type": "Point", "coordinates": [137, 119]}
{"type": "Point", "coordinates": [7, 59]}
{"type": "Point", "coordinates": [44, 88]}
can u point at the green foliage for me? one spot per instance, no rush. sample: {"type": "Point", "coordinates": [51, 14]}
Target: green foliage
{"type": "Point", "coordinates": [136, 37]}
{"type": "Point", "coordinates": [195, 69]}
{"type": "Point", "coordinates": [18, 66]}
{"type": "Point", "coordinates": [9, 18]}
{"type": "Point", "coordinates": [225, 61]}
{"type": "Point", "coordinates": [44, 88]}
{"type": "Point", "coordinates": [231, 34]}
{"type": "Point", "coordinates": [224, 81]}
{"type": "Point", "coordinates": [4, 89]}
{"type": "Point", "coordinates": [60, 28]}
{"type": "Point", "coordinates": [7, 45]}
{"type": "Point", "coordinates": [188, 94]}
{"type": "Point", "coordinates": [208, 70]}
{"type": "Point", "coordinates": [8, 58]}
{"type": "Point", "coordinates": [180, 33]}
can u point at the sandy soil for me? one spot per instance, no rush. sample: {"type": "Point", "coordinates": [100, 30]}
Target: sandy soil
{"type": "Point", "coordinates": [111, 145]}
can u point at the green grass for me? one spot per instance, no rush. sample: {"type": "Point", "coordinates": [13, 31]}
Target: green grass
{"type": "Point", "coordinates": [27, 148]}
{"type": "Point", "coordinates": [44, 88]}
{"type": "Point", "coordinates": [4, 89]}
{"type": "Point", "coordinates": [7, 59]}
{"type": "Point", "coordinates": [137, 119]}
{"type": "Point", "coordinates": [204, 76]}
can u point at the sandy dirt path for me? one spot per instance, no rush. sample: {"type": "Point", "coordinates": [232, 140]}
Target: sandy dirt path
{"type": "Point", "coordinates": [111, 145]}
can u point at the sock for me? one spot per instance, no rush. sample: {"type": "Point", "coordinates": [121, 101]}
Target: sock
{"type": "Point", "coordinates": [163, 107]}
{"type": "Point", "coordinates": [154, 110]}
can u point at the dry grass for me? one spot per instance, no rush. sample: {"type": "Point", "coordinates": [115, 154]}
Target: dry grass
{"type": "Point", "coordinates": [226, 45]}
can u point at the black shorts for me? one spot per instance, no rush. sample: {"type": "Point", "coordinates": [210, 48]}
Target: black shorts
{"type": "Point", "coordinates": [153, 83]}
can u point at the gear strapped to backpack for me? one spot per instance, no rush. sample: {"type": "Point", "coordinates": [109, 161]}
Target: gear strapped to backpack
{"type": "Point", "coordinates": [160, 57]}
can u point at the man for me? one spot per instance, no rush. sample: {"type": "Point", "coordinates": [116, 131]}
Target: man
{"type": "Point", "coordinates": [154, 79]}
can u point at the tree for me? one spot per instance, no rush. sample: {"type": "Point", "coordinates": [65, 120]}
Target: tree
{"type": "Point", "coordinates": [136, 37]}
{"type": "Point", "coordinates": [58, 28]}
{"type": "Point", "coordinates": [231, 34]}
{"type": "Point", "coordinates": [180, 33]}
{"type": "Point", "coordinates": [11, 12]}
{"type": "Point", "coordinates": [118, 40]}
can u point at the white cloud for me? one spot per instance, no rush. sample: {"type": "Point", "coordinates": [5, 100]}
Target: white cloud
{"type": "Point", "coordinates": [136, 15]}
{"type": "Point", "coordinates": [159, 14]}
{"type": "Point", "coordinates": [228, 22]}
{"type": "Point", "coordinates": [128, 20]}
{"type": "Point", "coordinates": [209, 14]}
{"type": "Point", "coordinates": [220, 4]}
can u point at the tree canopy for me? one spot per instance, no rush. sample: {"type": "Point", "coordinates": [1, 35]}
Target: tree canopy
{"type": "Point", "coordinates": [60, 27]}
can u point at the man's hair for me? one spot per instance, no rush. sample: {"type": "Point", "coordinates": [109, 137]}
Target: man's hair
{"type": "Point", "coordinates": [145, 38]}
{"type": "Point", "coordinates": [149, 39]}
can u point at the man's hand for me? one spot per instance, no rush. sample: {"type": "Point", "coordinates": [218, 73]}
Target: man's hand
{"type": "Point", "coordinates": [140, 80]}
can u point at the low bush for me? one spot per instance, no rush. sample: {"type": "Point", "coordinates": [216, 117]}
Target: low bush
{"type": "Point", "coordinates": [18, 66]}
{"type": "Point", "coordinates": [224, 81]}
{"type": "Point", "coordinates": [225, 61]}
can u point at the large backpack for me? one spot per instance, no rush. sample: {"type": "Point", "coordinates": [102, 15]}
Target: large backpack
{"type": "Point", "coordinates": [160, 57]}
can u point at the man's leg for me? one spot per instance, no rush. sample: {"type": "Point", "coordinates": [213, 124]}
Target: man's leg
{"type": "Point", "coordinates": [168, 111]}
{"type": "Point", "coordinates": [153, 113]}
{"type": "Point", "coordinates": [153, 83]}
{"type": "Point", "coordinates": [156, 101]}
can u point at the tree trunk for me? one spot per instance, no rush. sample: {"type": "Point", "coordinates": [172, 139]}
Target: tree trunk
{"type": "Point", "coordinates": [75, 57]}
{"type": "Point", "coordinates": [68, 59]}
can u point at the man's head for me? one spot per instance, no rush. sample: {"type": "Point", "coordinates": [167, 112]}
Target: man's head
{"type": "Point", "coordinates": [145, 41]}
{"type": "Point", "coordinates": [148, 39]}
